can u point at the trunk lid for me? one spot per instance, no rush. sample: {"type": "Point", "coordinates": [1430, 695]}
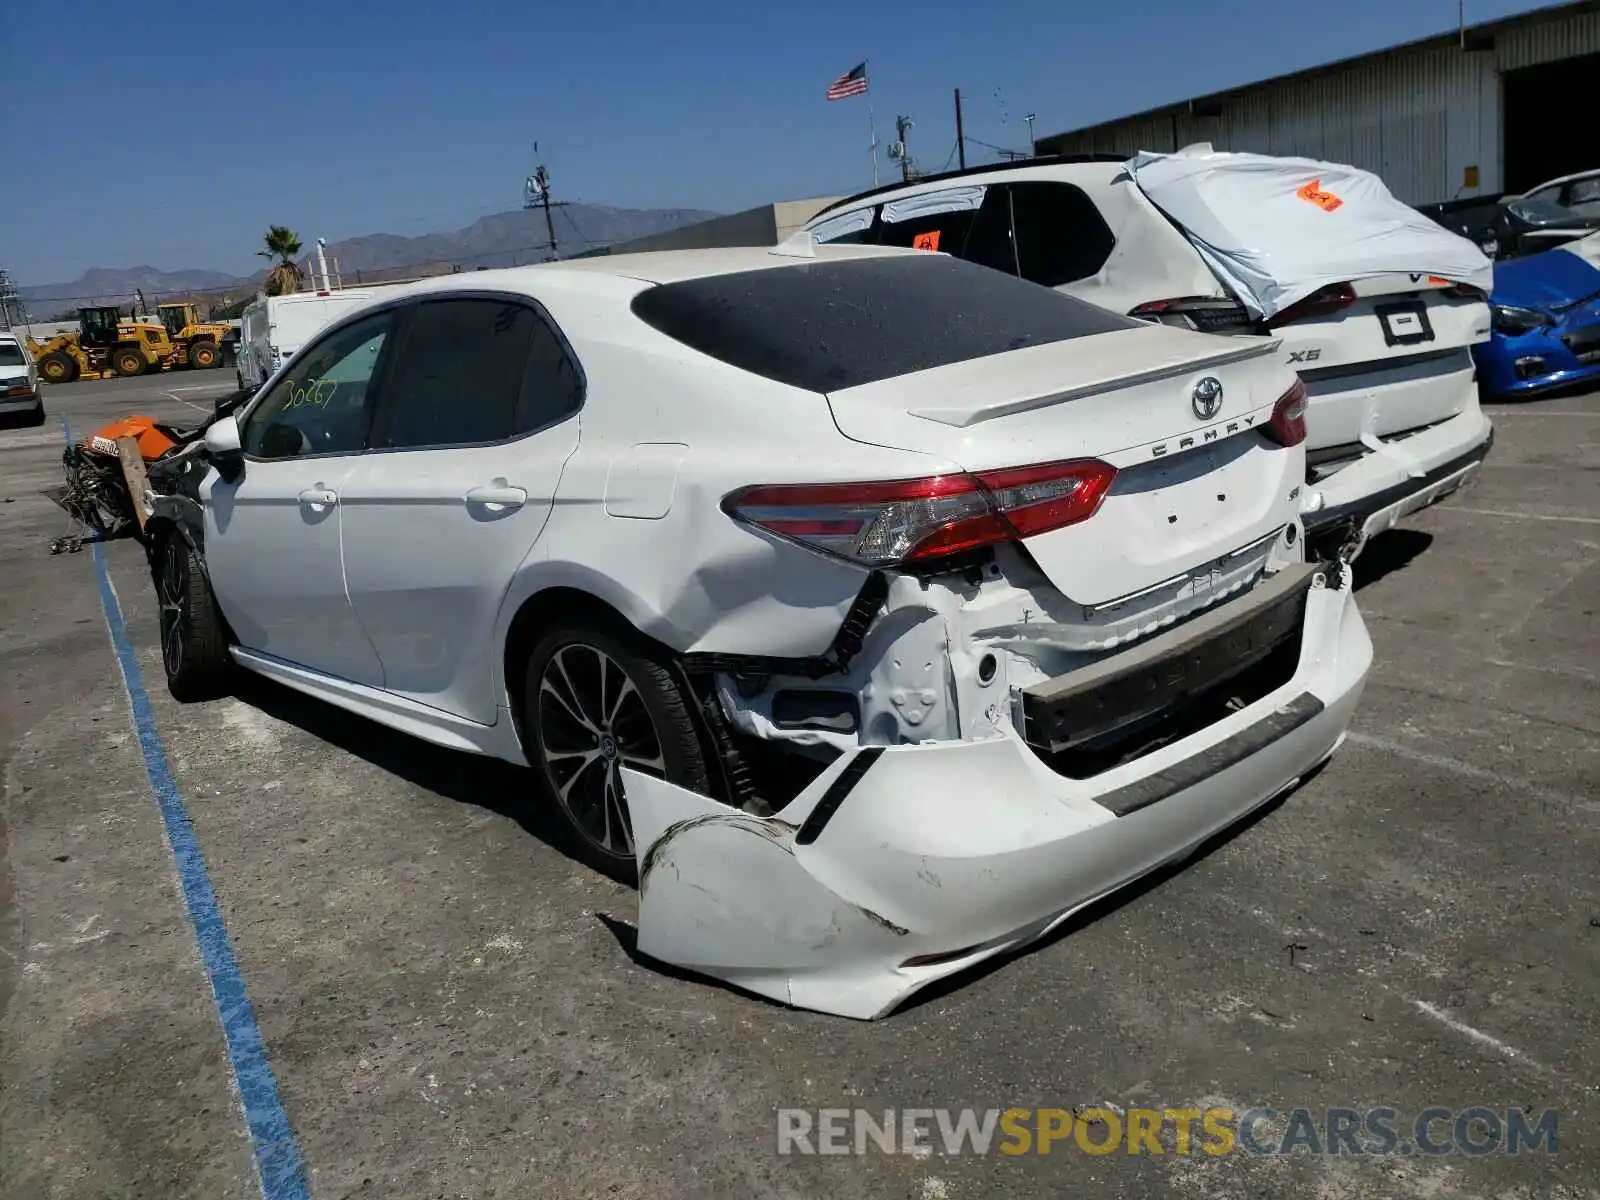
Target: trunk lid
{"type": "Point", "coordinates": [1396, 358]}
{"type": "Point", "coordinates": [1191, 490]}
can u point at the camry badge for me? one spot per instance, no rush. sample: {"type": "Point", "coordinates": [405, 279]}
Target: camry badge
{"type": "Point", "coordinates": [1207, 398]}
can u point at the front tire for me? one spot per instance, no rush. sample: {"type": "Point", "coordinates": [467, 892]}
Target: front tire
{"type": "Point", "coordinates": [194, 642]}
{"type": "Point", "coordinates": [128, 362]}
{"type": "Point", "coordinates": [57, 367]}
{"type": "Point", "coordinates": [204, 355]}
{"type": "Point", "coordinates": [597, 700]}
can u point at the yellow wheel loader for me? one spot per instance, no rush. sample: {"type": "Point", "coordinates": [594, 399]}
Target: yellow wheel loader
{"type": "Point", "coordinates": [106, 343]}
{"type": "Point", "coordinates": [198, 344]}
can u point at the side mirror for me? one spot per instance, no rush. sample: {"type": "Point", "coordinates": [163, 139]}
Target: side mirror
{"type": "Point", "coordinates": [224, 449]}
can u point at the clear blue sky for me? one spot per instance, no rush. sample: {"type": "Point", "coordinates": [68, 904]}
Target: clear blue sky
{"type": "Point", "coordinates": [345, 117]}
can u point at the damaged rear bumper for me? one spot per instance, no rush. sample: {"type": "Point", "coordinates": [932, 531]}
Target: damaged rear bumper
{"type": "Point", "coordinates": [900, 865]}
{"type": "Point", "coordinates": [1401, 478]}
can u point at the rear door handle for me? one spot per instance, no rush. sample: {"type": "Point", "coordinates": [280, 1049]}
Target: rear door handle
{"type": "Point", "coordinates": [319, 497]}
{"type": "Point", "coordinates": [498, 495]}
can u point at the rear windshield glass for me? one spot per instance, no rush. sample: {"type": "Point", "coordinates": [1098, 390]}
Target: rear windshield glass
{"type": "Point", "coordinates": [832, 325]}
{"type": "Point", "coordinates": [11, 355]}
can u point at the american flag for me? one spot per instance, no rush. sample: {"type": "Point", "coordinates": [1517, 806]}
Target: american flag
{"type": "Point", "coordinates": [852, 83]}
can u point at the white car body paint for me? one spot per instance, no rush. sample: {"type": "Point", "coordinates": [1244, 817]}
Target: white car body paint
{"type": "Point", "coordinates": [273, 552]}
{"type": "Point", "coordinates": [375, 581]}
{"type": "Point", "coordinates": [477, 511]}
{"type": "Point", "coordinates": [1362, 385]}
{"type": "Point", "coordinates": [19, 376]}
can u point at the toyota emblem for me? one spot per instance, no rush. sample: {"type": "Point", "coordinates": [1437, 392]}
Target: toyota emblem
{"type": "Point", "coordinates": [1207, 398]}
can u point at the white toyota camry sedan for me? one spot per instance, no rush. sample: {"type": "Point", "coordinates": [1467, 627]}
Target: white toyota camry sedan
{"type": "Point", "coordinates": [874, 609]}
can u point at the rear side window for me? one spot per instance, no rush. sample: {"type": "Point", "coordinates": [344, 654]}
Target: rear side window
{"type": "Point", "coordinates": [1061, 236]}
{"type": "Point", "coordinates": [827, 326]}
{"type": "Point", "coordinates": [968, 222]}
{"type": "Point", "coordinates": [472, 371]}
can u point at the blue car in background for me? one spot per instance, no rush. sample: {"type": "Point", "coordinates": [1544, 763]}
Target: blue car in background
{"type": "Point", "coordinates": [1545, 325]}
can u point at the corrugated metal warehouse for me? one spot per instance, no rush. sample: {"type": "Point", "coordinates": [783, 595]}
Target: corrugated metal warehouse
{"type": "Point", "coordinates": [1497, 107]}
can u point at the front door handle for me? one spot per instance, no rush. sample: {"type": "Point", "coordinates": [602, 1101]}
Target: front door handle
{"type": "Point", "coordinates": [498, 496]}
{"type": "Point", "coordinates": [319, 498]}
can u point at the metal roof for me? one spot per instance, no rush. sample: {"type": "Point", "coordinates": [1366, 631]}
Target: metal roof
{"type": "Point", "coordinates": [1480, 36]}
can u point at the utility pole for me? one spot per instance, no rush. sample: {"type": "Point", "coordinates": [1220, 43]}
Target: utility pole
{"type": "Point", "coordinates": [961, 137]}
{"type": "Point", "coordinates": [10, 302]}
{"type": "Point", "coordinates": [536, 194]}
{"type": "Point", "coordinates": [1033, 147]}
{"type": "Point", "coordinates": [902, 126]}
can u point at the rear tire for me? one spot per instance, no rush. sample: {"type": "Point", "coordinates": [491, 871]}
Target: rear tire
{"type": "Point", "coordinates": [596, 699]}
{"type": "Point", "coordinates": [127, 361]}
{"type": "Point", "coordinates": [194, 641]}
{"type": "Point", "coordinates": [57, 367]}
{"type": "Point", "coordinates": [204, 355]}
{"type": "Point", "coordinates": [36, 417]}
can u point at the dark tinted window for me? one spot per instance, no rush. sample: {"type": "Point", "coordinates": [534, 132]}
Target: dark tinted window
{"type": "Point", "coordinates": [319, 406]}
{"type": "Point", "coordinates": [552, 387]}
{"type": "Point", "coordinates": [11, 355]}
{"type": "Point", "coordinates": [982, 236]}
{"type": "Point", "coordinates": [831, 325]}
{"type": "Point", "coordinates": [1060, 234]}
{"type": "Point", "coordinates": [459, 376]}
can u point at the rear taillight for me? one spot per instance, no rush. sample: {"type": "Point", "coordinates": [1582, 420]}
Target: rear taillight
{"type": "Point", "coordinates": [1319, 304]}
{"type": "Point", "coordinates": [1288, 424]}
{"type": "Point", "coordinates": [1204, 313]}
{"type": "Point", "coordinates": [914, 521]}
{"type": "Point", "coordinates": [1465, 291]}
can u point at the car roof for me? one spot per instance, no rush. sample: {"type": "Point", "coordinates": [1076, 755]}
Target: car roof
{"type": "Point", "coordinates": [655, 267]}
{"type": "Point", "coordinates": [1042, 167]}
{"type": "Point", "coordinates": [1589, 174]}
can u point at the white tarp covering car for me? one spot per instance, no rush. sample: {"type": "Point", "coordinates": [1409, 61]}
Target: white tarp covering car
{"type": "Point", "coordinates": [1278, 230]}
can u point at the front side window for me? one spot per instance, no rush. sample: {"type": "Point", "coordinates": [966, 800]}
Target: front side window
{"type": "Point", "coordinates": [320, 404]}
{"type": "Point", "coordinates": [459, 378]}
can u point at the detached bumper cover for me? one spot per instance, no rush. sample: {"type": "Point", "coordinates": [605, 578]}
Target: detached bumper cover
{"type": "Point", "coordinates": [1373, 494]}
{"type": "Point", "coordinates": [901, 865]}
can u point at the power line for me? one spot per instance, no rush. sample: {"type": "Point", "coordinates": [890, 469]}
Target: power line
{"type": "Point", "coordinates": [582, 237]}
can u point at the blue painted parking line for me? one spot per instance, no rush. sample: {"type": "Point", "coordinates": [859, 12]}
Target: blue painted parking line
{"type": "Point", "coordinates": [277, 1154]}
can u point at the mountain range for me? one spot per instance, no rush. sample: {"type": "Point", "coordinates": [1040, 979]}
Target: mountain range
{"type": "Point", "coordinates": [501, 240]}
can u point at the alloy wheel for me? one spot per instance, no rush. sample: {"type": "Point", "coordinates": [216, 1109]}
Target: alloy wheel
{"type": "Point", "coordinates": [592, 721]}
{"type": "Point", "coordinates": [171, 593]}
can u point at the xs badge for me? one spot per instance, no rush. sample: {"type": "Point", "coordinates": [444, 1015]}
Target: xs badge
{"type": "Point", "coordinates": [1207, 398]}
{"type": "Point", "coordinates": [1304, 355]}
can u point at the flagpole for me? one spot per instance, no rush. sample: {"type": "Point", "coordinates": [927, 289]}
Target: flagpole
{"type": "Point", "coordinates": [872, 127]}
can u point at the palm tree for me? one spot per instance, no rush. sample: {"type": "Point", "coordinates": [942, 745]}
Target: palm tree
{"type": "Point", "coordinates": [282, 244]}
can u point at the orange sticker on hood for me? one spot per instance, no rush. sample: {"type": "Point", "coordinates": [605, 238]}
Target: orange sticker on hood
{"type": "Point", "coordinates": [1313, 192]}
